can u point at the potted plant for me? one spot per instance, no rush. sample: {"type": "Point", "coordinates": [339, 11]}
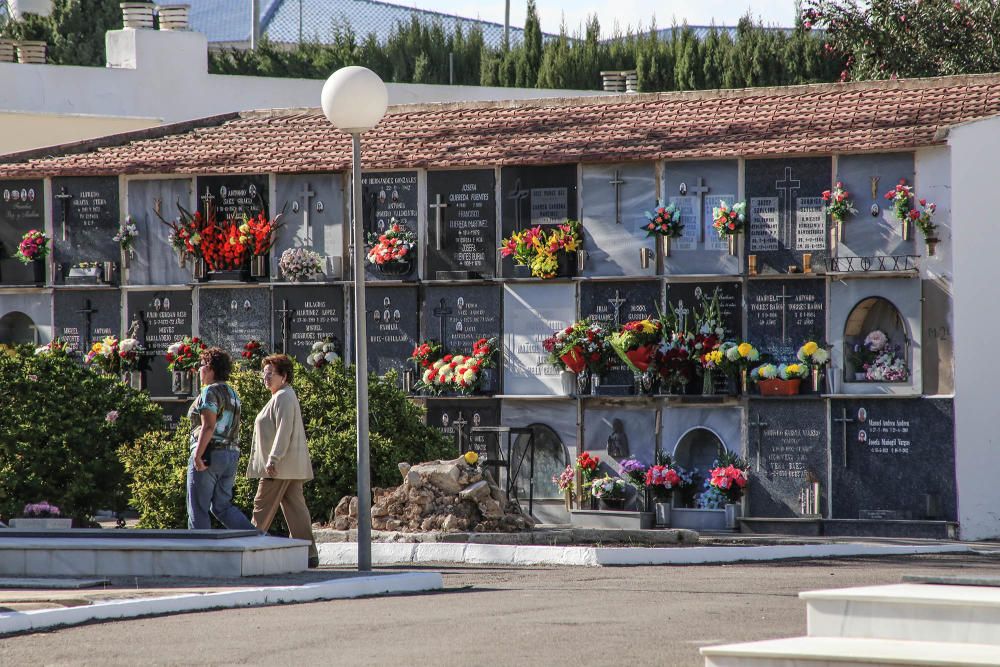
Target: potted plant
{"type": "Point", "coordinates": [458, 373]}
{"type": "Point", "coordinates": [729, 222]}
{"type": "Point", "coordinates": [664, 222]}
{"type": "Point", "coordinates": [182, 362]}
{"type": "Point", "coordinates": [902, 199]}
{"type": "Point", "coordinates": [581, 349]}
{"type": "Point", "coordinates": [298, 264]}
{"type": "Point", "coordinates": [609, 492]}
{"type": "Point", "coordinates": [41, 516]}
{"type": "Point", "coordinates": [633, 471]}
{"type": "Point", "coordinates": [33, 249]}
{"type": "Point", "coordinates": [226, 251]}
{"type": "Point", "coordinates": [839, 206]}
{"type": "Point", "coordinates": [661, 479]}
{"type": "Point", "coordinates": [259, 234]}
{"type": "Point", "coordinates": [781, 380]}
{"type": "Point", "coordinates": [125, 238]}
{"type": "Point", "coordinates": [815, 358]}
{"type": "Point", "coordinates": [393, 251]}
{"type": "Point", "coordinates": [565, 482]}
{"type": "Point", "coordinates": [130, 352]}
{"type": "Point", "coordinates": [56, 347]}
{"type": "Point", "coordinates": [636, 343]}
{"type": "Point", "coordinates": [545, 253]}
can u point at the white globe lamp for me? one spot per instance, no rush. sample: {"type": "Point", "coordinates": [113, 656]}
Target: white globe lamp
{"type": "Point", "coordinates": [354, 99]}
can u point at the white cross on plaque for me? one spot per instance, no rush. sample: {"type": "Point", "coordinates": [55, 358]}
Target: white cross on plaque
{"type": "Point", "coordinates": [616, 304]}
{"type": "Point", "coordinates": [617, 182]}
{"type": "Point", "coordinates": [682, 314]}
{"type": "Point", "coordinates": [787, 187]}
{"type": "Point", "coordinates": [438, 205]}
{"type": "Point", "coordinates": [697, 191]}
{"type": "Point", "coordinates": [306, 194]}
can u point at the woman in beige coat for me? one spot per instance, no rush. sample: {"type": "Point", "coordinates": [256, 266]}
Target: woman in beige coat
{"type": "Point", "coordinates": [280, 457]}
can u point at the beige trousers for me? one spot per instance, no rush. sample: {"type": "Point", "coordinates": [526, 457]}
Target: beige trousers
{"type": "Point", "coordinates": [286, 493]}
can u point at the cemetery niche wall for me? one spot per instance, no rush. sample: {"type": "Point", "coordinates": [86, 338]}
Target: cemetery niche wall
{"type": "Point", "coordinates": [312, 208]}
{"type": "Point", "coordinates": [614, 200]}
{"type": "Point", "coordinates": [696, 188]}
{"type": "Point", "coordinates": [85, 221]}
{"type": "Point", "coordinates": [391, 198]}
{"type": "Point", "coordinates": [22, 208]}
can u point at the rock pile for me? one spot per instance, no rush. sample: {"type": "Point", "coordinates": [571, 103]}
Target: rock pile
{"type": "Point", "coordinates": [439, 495]}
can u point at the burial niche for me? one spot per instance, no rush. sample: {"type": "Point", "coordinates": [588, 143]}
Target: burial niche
{"type": "Point", "coordinates": [550, 459]}
{"type": "Point", "coordinates": [876, 343]}
{"type": "Point", "coordinates": [16, 328]}
{"type": "Point", "coordinates": [698, 449]}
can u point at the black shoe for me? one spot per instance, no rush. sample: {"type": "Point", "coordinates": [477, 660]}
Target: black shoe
{"type": "Point", "coordinates": [313, 562]}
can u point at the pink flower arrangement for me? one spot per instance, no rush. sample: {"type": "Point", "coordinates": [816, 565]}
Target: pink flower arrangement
{"type": "Point", "coordinates": [34, 245]}
{"type": "Point", "coordinates": [41, 510]}
{"type": "Point", "coordinates": [565, 480]}
{"type": "Point", "coordinates": [730, 481]}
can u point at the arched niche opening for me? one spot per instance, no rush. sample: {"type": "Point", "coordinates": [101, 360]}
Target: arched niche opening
{"type": "Point", "coordinates": [876, 343]}
{"type": "Point", "coordinates": [551, 459]}
{"type": "Point", "coordinates": [16, 328]}
{"type": "Point", "coordinates": [698, 449]}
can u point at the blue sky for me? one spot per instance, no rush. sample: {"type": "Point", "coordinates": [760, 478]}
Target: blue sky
{"type": "Point", "coordinates": [624, 12]}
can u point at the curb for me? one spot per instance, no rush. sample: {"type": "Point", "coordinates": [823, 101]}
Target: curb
{"type": "Point", "coordinates": [346, 553]}
{"type": "Point", "coordinates": [352, 587]}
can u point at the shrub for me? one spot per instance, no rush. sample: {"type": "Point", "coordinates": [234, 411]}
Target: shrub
{"type": "Point", "coordinates": [158, 460]}
{"type": "Point", "coordinates": [62, 426]}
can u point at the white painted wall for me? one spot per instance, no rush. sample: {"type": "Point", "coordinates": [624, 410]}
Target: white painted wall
{"type": "Point", "coordinates": [163, 76]}
{"type": "Point", "coordinates": [975, 170]}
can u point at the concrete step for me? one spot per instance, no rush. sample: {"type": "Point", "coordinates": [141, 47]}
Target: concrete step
{"type": "Point", "coordinates": [909, 612]}
{"type": "Point", "coordinates": [848, 652]}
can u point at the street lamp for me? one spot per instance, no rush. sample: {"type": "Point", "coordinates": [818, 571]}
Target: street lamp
{"type": "Point", "coordinates": [354, 99]}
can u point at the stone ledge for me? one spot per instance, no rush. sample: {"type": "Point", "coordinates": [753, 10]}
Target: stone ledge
{"type": "Point", "coordinates": [543, 537]}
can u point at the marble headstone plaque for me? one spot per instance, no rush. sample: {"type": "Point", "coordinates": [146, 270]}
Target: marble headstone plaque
{"type": "Point", "coordinates": [386, 197]}
{"type": "Point", "coordinates": [155, 262]}
{"type": "Point", "coordinates": [684, 298]}
{"type": "Point", "coordinates": [615, 303]}
{"type": "Point", "coordinates": [874, 230]}
{"type": "Point", "coordinates": [555, 438]}
{"type": "Point", "coordinates": [85, 219]}
{"type": "Point", "coordinates": [615, 198]}
{"type": "Point", "coordinates": [22, 208]}
{"type": "Point", "coordinates": [172, 413]}
{"type": "Point", "coordinates": [304, 315]}
{"type": "Point", "coordinates": [313, 207]}
{"type": "Point", "coordinates": [454, 416]}
{"type": "Point", "coordinates": [890, 455]}
{"type": "Point", "coordinates": [392, 328]}
{"type": "Point", "coordinates": [697, 187]}
{"type": "Point", "coordinates": [531, 313]}
{"type": "Point", "coordinates": [532, 196]}
{"type": "Point", "coordinates": [163, 317]}
{"type": "Point", "coordinates": [458, 316]}
{"type": "Point", "coordinates": [786, 216]}
{"type": "Point", "coordinates": [25, 318]}
{"type": "Point", "coordinates": [231, 317]}
{"type": "Point", "coordinates": [461, 224]}
{"type": "Point", "coordinates": [84, 316]}
{"type": "Point", "coordinates": [787, 443]}
{"type": "Point", "coordinates": [784, 314]}
{"type": "Point", "coordinates": [232, 195]}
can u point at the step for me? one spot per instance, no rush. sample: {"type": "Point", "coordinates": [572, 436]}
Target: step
{"type": "Point", "coordinates": [930, 612]}
{"type": "Point", "coordinates": [848, 652]}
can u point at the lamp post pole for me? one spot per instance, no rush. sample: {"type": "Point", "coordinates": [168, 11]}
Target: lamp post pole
{"type": "Point", "coordinates": [361, 366]}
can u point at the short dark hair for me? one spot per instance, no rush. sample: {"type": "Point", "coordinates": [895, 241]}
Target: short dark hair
{"type": "Point", "coordinates": [282, 365]}
{"type": "Point", "coordinates": [219, 361]}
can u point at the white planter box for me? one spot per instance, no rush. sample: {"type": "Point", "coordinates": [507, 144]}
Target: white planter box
{"type": "Point", "coordinates": [41, 524]}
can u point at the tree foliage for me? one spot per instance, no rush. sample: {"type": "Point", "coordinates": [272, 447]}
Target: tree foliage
{"type": "Point", "coordinates": [74, 30]}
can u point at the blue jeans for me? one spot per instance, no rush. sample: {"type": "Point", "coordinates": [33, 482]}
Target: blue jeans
{"type": "Point", "coordinates": [212, 490]}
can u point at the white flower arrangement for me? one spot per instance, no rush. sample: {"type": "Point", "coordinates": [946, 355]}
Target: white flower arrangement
{"type": "Point", "coordinates": [323, 352]}
{"type": "Point", "coordinates": [876, 340]}
{"type": "Point", "coordinates": [300, 264]}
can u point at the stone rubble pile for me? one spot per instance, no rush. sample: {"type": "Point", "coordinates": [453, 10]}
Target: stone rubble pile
{"type": "Point", "coordinates": [438, 495]}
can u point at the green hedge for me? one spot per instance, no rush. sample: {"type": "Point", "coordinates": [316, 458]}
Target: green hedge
{"type": "Point", "coordinates": [57, 442]}
{"type": "Point", "coordinates": [157, 461]}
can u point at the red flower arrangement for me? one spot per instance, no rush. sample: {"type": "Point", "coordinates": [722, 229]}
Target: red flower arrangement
{"type": "Point", "coordinates": [223, 247]}
{"type": "Point", "coordinates": [185, 353]}
{"type": "Point", "coordinates": [253, 351]}
{"type": "Point", "coordinates": [452, 372]}
{"type": "Point", "coordinates": [587, 465]}
{"type": "Point", "coordinates": [730, 481]}
{"type": "Point", "coordinates": [392, 246]}
{"type": "Point", "coordinates": [259, 233]}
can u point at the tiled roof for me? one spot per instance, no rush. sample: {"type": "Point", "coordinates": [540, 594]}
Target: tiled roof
{"type": "Point", "coordinates": [801, 120]}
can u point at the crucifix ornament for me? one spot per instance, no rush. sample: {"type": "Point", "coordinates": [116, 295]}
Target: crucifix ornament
{"type": "Point", "coordinates": [438, 207]}
{"type": "Point", "coordinates": [64, 199]}
{"type": "Point", "coordinates": [616, 305]}
{"type": "Point", "coordinates": [442, 312]}
{"type": "Point", "coordinates": [788, 188]}
{"type": "Point", "coordinates": [759, 424]}
{"type": "Point", "coordinates": [286, 313]}
{"type": "Point", "coordinates": [844, 420]}
{"type": "Point", "coordinates": [617, 182]}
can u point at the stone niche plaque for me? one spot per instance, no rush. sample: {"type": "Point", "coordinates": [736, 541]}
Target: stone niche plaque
{"type": "Point", "coordinates": [893, 459]}
{"type": "Point", "coordinates": [303, 315]}
{"type": "Point", "coordinates": [874, 230]}
{"type": "Point", "coordinates": [696, 188]}
{"type": "Point", "coordinates": [22, 208]}
{"type": "Point", "coordinates": [861, 306]}
{"type": "Point", "coordinates": [531, 313]}
{"type": "Point", "coordinates": [787, 446]}
{"type": "Point", "coordinates": [313, 207]}
{"type": "Point", "coordinates": [455, 419]}
{"type": "Point", "coordinates": [82, 317]}
{"type": "Point", "coordinates": [173, 411]}
{"type": "Point", "coordinates": [615, 198]}
{"type": "Point", "coordinates": [785, 213]}
{"type": "Point", "coordinates": [532, 196]}
{"type": "Point", "coordinates": [783, 314]}
{"type": "Point", "coordinates": [392, 328]}
{"type": "Point", "coordinates": [615, 303]}
{"type": "Point", "coordinates": [684, 298]}
{"type": "Point", "coordinates": [155, 262]}
{"type": "Point", "coordinates": [85, 219]}
{"type": "Point", "coordinates": [555, 440]}
{"type": "Point", "coordinates": [459, 315]}
{"type": "Point", "coordinates": [163, 318]}
{"type": "Point", "coordinates": [25, 318]}
{"type": "Point", "coordinates": [231, 317]}
{"type": "Point", "coordinates": [461, 224]}
{"type": "Point", "coordinates": [232, 195]}
{"type": "Point", "coordinates": [386, 196]}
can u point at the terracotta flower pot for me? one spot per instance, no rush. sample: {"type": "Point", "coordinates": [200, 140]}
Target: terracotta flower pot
{"type": "Point", "coordinates": [779, 387]}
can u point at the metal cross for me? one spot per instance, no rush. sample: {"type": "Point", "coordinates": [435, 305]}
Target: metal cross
{"type": "Point", "coordinates": [784, 310]}
{"type": "Point", "coordinates": [460, 423]}
{"type": "Point", "coordinates": [760, 425]}
{"type": "Point", "coordinates": [285, 313]}
{"type": "Point", "coordinates": [157, 205]}
{"type": "Point", "coordinates": [616, 303]}
{"type": "Point", "coordinates": [617, 182]}
{"type": "Point", "coordinates": [788, 186]}
{"type": "Point", "coordinates": [208, 198]}
{"type": "Point", "coordinates": [64, 198]}
{"type": "Point", "coordinates": [682, 314]}
{"type": "Point", "coordinates": [843, 419]}
{"type": "Point", "coordinates": [437, 206]}
{"type": "Point", "coordinates": [86, 311]}
{"type": "Point", "coordinates": [698, 190]}
{"type": "Point", "coordinates": [442, 312]}
{"type": "Point", "coordinates": [306, 194]}
{"type": "Point", "coordinates": [517, 195]}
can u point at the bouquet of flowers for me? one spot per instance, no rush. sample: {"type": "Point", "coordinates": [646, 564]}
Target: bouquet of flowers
{"type": "Point", "coordinates": [42, 510]}
{"type": "Point", "coordinates": [130, 351]}
{"type": "Point", "coordinates": [637, 342]}
{"type": "Point", "coordinates": [57, 348]}
{"type": "Point", "coordinates": [582, 345]}
{"type": "Point", "coordinates": [634, 472]}
{"type": "Point", "coordinates": [34, 245]}
{"type": "Point", "coordinates": [186, 232]}
{"type": "Point", "coordinates": [729, 221]}
{"type": "Point", "coordinates": [323, 352]}
{"type": "Point", "coordinates": [901, 197]}
{"type": "Point", "coordinates": [539, 249]}
{"type": "Point", "coordinates": [394, 246]}
{"type": "Point", "coordinates": [887, 367]}
{"type": "Point", "coordinates": [587, 465]}
{"type": "Point", "coordinates": [258, 233]}
{"type": "Point", "coordinates": [793, 371]}
{"type": "Point", "coordinates": [223, 247]}
{"type": "Point", "coordinates": [922, 219]}
{"type": "Point", "coordinates": [662, 479]}
{"type": "Point", "coordinates": [813, 355]}
{"type": "Point", "coordinates": [837, 203]}
{"type": "Point", "coordinates": [126, 236]}
{"type": "Point", "coordinates": [300, 264]}
{"type": "Point", "coordinates": [664, 221]}
{"type": "Point", "coordinates": [104, 354]}
{"type": "Point", "coordinates": [184, 355]}
{"type": "Point", "coordinates": [565, 480]}
{"type": "Point", "coordinates": [608, 488]}
{"type": "Point", "coordinates": [454, 372]}
{"type": "Point", "coordinates": [676, 359]}
{"type": "Point", "coordinates": [740, 356]}
{"type": "Point", "coordinates": [764, 372]}
{"type": "Point", "coordinates": [730, 477]}
{"type": "Point", "coordinates": [253, 353]}
{"type": "Point", "coordinates": [426, 353]}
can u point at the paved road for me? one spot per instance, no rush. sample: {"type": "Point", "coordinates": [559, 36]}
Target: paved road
{"type": "Point", "coordinates": [496, 616]}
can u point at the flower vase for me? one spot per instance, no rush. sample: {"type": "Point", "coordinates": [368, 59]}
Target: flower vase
{"type": "Point", "coordinates": [744, 381]}
{"type": "Point", "coordinates": [198, 269]}
{"type": "Point", "coordinates": [731, 239]}
{"type": "Point", "coordinates": [816, 376]}
{"type": "Point", "coordinates": [611, 504]}
{"type": "Point", "coordinates": [662, 510]}
{"type": "Point", "coordinates": [905, 231]}
{"type": "Point", "coordinates": [582, 383]}
{"type": "Point", "coordinates": [133, 379]}
{"type": "Point", "coordinates": [932, 245]}
{"type": "Point", "coordinates": [258, 266]}
{"type": "Point", "coordinates": [595, 383]}
{"type": "Point", "coordinates": [733, 514]}
{"type": "Point", "coordinates": [182, 383]}
{"type": "Point", "coordinates": [665, 245]}
{"type": "Point", "coordinates": [181, 259]}
{"type": "Point", "coordinates": [644, 383]}
{"type": "Point", "coordinates": [568, 496]}
{"type": "Point", "coordinates": [567, 381]}
{"type": "Point", "coordinates": [396, 269]}
{"type": "Point", "coordinates": [708, 383]}
{"type": "Point", "coordinates": [38, 271]}
{"type": "Point", "coordinates": [838, 226]}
